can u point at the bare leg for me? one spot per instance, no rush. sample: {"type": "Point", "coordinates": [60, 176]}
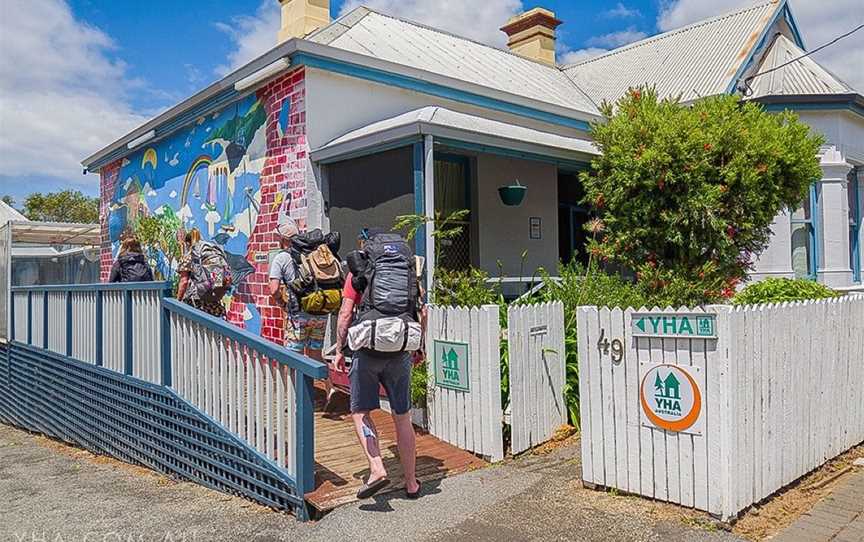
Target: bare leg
{"type": "Point", "coordinates": [407, 443]}
{"type": "Point", "coordinates": [367, 434]}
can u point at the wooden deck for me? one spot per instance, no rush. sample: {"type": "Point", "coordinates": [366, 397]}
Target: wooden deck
{"type": "Point", "coordinates": [340, 465]}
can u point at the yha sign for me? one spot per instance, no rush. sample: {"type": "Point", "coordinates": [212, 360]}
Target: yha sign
{"type": "Point", "coordinates": [671, 398]}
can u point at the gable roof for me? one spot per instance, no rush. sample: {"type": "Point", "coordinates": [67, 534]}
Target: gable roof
{"type": "Point", "coordinates": [9, 214]}
{"type": "Point", "coordinates": [803, 77]}
{"type": "Point", "coordinates": [698, 60]}
{"type": "Point", "coordinates": [396, 40]}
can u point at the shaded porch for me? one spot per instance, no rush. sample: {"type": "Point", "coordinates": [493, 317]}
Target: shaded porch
{"type": "Point", "coordinates": [433, 162]}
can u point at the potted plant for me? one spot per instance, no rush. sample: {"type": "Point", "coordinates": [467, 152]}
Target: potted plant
{"type": "Point", "coordinates": [513, 194]}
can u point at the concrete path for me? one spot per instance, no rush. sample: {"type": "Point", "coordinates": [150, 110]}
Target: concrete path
{"type": "Point", "coordinates": [839, 517]}
{"type": "Point", "coordinates": [52, 492]}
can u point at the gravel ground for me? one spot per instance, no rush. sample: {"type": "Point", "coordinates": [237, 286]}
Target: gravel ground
{"type": "Point", "coordinates": [52, 492]}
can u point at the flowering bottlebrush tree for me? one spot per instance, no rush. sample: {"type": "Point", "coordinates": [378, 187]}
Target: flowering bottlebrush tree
{"type": "Point", "coordinates": [685, 195]}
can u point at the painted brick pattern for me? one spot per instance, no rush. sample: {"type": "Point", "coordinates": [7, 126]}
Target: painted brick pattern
{"type": "Point", "coordinates": [107, 185]}
{"type": "Point", "coordinates": [285, 168]}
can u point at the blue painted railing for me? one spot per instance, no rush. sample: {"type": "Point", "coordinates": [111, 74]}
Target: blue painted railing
{"type": "Point", "coordinates": [253, 397]}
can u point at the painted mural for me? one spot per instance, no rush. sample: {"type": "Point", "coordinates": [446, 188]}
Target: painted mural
{"type": "Point", "coordinates": [206, 176]}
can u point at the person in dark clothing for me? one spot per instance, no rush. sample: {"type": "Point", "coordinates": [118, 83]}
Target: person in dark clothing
{"type": "Point", "coordinates": [131, 265]}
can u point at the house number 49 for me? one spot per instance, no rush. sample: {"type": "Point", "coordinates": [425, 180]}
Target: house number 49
{"type": "Point", "coordinates": [617, 347]}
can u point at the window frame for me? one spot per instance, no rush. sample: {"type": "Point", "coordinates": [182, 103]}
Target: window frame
{"type": "Point", "coordinates": [855, 226]}
{"type": "Point", "coordinates": [812, 229]}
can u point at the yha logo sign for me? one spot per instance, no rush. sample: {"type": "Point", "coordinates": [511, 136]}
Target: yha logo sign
{"type": "Point", "coordinates": [670, 397]}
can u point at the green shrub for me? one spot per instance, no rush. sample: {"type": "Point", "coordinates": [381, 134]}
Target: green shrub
{"type": "Point", "coordinates": [419, 383]}
{"type": "Point", "coordinates": [685, 196]}
{"type": "Point", "coordinates": [775, 290]}
{"type": "Point", "coordinates": [463, 288]}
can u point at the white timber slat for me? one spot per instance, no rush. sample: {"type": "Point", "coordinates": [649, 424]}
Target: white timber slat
{"type": "Point", "coordinates": [783, 392]}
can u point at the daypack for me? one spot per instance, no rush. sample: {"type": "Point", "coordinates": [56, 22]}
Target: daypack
{"type": "Point", "coordinates": [211, 274]}
{"type": "Point", "coordinates": [133, 268]}
{"type": "Point", "coordinates": [387, 316]}
{"type": "Point", "coordinates": [320, 277]}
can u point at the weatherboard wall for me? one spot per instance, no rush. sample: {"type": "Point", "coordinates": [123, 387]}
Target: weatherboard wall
{"type": "Point", "coordinates": [234, 175]}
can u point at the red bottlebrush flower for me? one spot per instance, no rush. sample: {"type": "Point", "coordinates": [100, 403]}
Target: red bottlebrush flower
{"type": "Point", "coordinates": [727, 293]}
{"type": "Point", "coordinates": [730, 232]}
{"type": "Point", "coordinates": [599, 201]}
{"type": "Point", "coordinates": [661, 183]}
{"type": "Point", "coordinates": [636, 93]}
{"type": "Point", "coordinates": [761, 168]}
{"type": "Point", "coordinates": [708, 146]}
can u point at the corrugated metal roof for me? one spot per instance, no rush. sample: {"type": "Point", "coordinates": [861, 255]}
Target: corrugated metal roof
{"type": "Point", "coordinates": [367, 32]}
{"type": "Point", "coordinates": [9, 214]}
{"type": "Point", "coordinates": [434, 119]}
{"type": "Point", "coordinates": [695, 61]}
{"type": "Point", "coordinates": [804, 76]}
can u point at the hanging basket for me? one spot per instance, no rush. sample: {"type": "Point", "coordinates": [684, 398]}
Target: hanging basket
{"type": "Point", "coordinates": [512, 195]}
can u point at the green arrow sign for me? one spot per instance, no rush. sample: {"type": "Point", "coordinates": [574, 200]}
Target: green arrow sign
{"type": "Point", "coordinates": [674, 325]}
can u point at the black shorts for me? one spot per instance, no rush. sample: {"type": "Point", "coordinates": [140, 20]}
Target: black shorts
{"type": "Point", "coordinates": [369, 371]}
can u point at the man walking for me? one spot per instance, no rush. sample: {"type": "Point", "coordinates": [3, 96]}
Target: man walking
{"type": "Point", "coordinates": [381, 300]}
{"type": "Point", "coordinates": [304, 333]}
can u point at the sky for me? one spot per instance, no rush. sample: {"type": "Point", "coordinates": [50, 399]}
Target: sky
{"type": "Point", "coordinates": [76, 75]}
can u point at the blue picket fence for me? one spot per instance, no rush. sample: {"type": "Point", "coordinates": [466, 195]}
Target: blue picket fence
{"type": "Point", "coordinates": [123, 370]}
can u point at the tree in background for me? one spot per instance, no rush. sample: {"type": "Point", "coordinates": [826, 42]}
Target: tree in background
{"type": "Point", "coordinates": [686, 195]}
{"type": "Point", "coordinates": [8, 200]}
{"type": "Point", "coordinates": [63, 206]}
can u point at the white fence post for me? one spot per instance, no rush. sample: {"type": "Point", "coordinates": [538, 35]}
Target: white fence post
{"type": "Point", "coordinates": [464, 395]}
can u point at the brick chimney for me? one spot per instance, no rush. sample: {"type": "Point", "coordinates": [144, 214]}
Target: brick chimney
{"type": "Point", "coordinates": [302, 17]}
{"type": "Point", "coordinates": [532, 34]}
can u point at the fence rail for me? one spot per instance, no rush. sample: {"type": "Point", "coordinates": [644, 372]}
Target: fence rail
{"type": "Point", "coordinates": [780, 388]}
{"type": "Point", "coordinates": [115, 326]}
{"type": "Point", "coordinates": [259, 392]}
{"type": "Point", "coordinates": [256, 392]}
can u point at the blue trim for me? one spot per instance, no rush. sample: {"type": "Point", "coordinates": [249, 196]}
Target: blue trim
{"type": "Point", "coordinates": [99, 327]}
{"type": "Point", "coordinates": [29, 317]}
{"type": "Point", "coordinates": [127, 332]}
{"type": "Point", "coordinates": [165, 351]}
{"type": "Point", "coordinates": [307, 366]}
{"type": "Point", "coordinates": [793, 25]}
{"type": "Point", "coordinates": [304, 446]}
{"type": "Point", "coordinates": [374, 149]}
{"type": "Point", "coordinates": [45, 320]}
{"type": "Point", "coordinates": [760, 44]}
{"type": "Point", "coordinates": [434, 89]}
{"type": "Point", "coordinates": [69, 324]}
{"type": "Point", "coordinates": [569, 165]}
{"type": "Point", "coordinates": [99, 286]}
{"type": "Point", "coordinates": [12, 318]}
{"type": "Point", "coordinates": [420, 196]}
{"type": "Point", "coordinates": [815, 230]}
{"type": "Point", "coordinates": [815, 106]}
{"type": "Point", "coordinates": [855, 234]}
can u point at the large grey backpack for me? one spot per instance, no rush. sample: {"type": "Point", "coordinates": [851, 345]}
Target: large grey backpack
{"type": "Point", "coordinates": [211, 274]}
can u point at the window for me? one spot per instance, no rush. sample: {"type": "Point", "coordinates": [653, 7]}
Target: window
{"type": "Point", "coordinates": [853, 190]}
{"type": "Point", "coordinates": [804, 237]}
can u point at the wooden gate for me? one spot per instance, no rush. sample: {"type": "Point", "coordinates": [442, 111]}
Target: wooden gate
{"type": "Point", "coordinates": [464, 399]}
{"type": "Point", "coordinates": [535, 336]}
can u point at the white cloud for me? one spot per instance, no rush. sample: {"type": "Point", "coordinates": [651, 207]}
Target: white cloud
{"type": "Point", "coordinates": [616, 39]}
{"type": "Point", "coordinates": [62, 95]}
{"type": "Point", "coordinates": [819, 22]}
{"type": "Point", "coordinates": [620, 11]}
{"type": "Point", "coordinates": [579, 55]}
{"type": "Point", "coordinates": [253, 35]}
{"type": "Point", "coordinates": [479, 21]}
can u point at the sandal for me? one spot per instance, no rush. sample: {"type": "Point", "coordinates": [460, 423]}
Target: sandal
{"type": "Point", "coordinates": [416, 495]}
{"type": "Point", "coordinates": [367, 490]}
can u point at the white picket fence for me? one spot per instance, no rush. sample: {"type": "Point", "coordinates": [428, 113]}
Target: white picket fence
{"type": "Point", "coordinates": [470, 419]}
{"type": "Point", "coordinates": [782, 390]}
{"type": "Point", "coordinates": [250, 394]}
{"type": "Point", "coordinates": [537, 360]}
